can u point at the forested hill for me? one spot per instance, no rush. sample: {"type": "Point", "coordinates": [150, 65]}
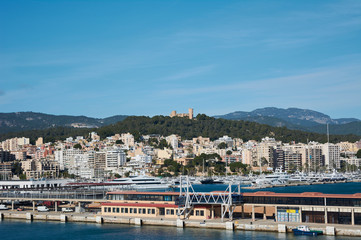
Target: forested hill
{"type": "Point", "coordinates": [214, 128]}
{"type": "Point", "coordinates": [202, 125]}
{"type": "Point", "coordinates": [298, 119]}
{"type": "Point", "coordinates": [22, 121]}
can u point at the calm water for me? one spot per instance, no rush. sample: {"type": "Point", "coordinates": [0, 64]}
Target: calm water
{"type": "Point", "coordinates": [13, 229]}
{"type": "Point", "coordinates": [341, 188]}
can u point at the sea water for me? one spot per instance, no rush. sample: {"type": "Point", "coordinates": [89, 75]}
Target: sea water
{"type": "Point", "coordinates": [41, 230]}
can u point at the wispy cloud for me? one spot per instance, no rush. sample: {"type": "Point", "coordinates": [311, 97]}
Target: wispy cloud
{"type": "Point", "coordinates": [288, 29]}
{"type": "Point", "coordinates": [331, 80]}
{"type": "Point", "coordinates": [188, 73]}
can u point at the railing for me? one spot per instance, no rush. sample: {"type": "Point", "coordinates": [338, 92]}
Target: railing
{"type": "Point", "coordinates": [54, 194]}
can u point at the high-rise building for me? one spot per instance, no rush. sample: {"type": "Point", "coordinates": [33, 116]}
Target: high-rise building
{"type": "Point", "coordinates": [332, 155]}
{"type": "Point", "coordinates": [114, 159]}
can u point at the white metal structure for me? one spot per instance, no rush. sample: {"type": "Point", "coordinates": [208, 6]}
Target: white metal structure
{"type": "Point", "coordinates": [188, 198]}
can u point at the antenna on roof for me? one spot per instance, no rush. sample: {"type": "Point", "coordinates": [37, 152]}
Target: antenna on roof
{"type": "Point", "coordinates": [328, 135]}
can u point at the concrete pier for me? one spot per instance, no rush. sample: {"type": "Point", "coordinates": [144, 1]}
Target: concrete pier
{"type": "Point", "coordinates": [63, 218]}
{"type": "Point", "coordinates": [230, 226]}
{"type": "Point", "coordinates": [99, 219]}
{"type": "Point", "coordinates": [138, 221]}
{"type": "Point", "coordinates": [180, 223]}
{"type": "Point", "coordinates": [282, 228]}
{"type": "Point", "coordinates": [330, 231]}
{"type": "Point", "coordinates": [29, 216]}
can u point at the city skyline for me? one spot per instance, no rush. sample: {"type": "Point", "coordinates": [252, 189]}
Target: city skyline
{"type": "Point", "coordinates": [105, 58]}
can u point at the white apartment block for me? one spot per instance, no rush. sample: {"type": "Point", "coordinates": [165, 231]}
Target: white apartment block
{"type": "Point", "coordinates": [265, 149]}
{"type": "Point", "coordinates": [65, 156]}
{"type": "Point", "coordinates": [115, 159]}
{"type": "Point", "coordinates": [225, 139]}
{"type": "Point", "coordinates": [173, 141]}
{"type": "Point", "coordinates": [79, 166]}
{"type": "Point", "coordinates": [352, 161]}
{"type": "Point", "coordinates": [332, 155]}
{"type": "Point", "coordinates": [14, 144]}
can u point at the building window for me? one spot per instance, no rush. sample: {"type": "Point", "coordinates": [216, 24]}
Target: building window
{"type": "Point", "coordinates": [117, 210]}
{"type": "Point", "coordinates": [167, 198]}
{"type": "Point", "coordinates": [122, 210]}
{"type": "Point", "coordinates": [105, 209]}
{"type": "Point", "coordinates": [168, 211]}
{"type": "Point", "coordinates": [109, 209]}
{"type": "Point", "coordinates": [144, 210]}
{"type": "Point", "coordinates": [149, 211]}
{"type": "Point", "coordinates": [113, 209]}
{"type": "Point", "coordinates": [202, 212]}
{"type": "Point", "coordinates": [135, 210]}
{"type": "Point", "coordinates": [153, 211]}
{"type": "Point", "coordinates": [172, 212]}
{"type": "Point", "coordinates": [197, 212]}
{"type": "Point", "coordinates": [126, 210]}
{"type": "Point", "coordinates": [130, 210]}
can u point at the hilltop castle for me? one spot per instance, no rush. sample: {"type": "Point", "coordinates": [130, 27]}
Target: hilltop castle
{"type": "Point", "coordinates": [189, 114]}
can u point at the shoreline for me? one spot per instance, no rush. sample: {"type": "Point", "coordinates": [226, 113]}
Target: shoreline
{"type": "Point", "coordinates": [235, 225]}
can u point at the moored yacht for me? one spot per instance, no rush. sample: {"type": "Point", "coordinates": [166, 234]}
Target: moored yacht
{"type": "Point", "coordinates": [278, 177]}
{"type": "Point", "coordinates": [142, 182]}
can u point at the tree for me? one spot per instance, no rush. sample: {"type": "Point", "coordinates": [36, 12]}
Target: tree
{"type": "Point", "coordinates": [220, 168]}
{"type": "Point", "coordinates": [77, 146]}
{"type": "Point", "coordinates": [237, 167]}
{"type": "Point", "coordinates": [22, 177]}
{"type": "Point", "coordinates": [16, 169]}
{"type": "Point", "coordinates": [119, 142]}
{"type": "Point", "coordinates": [358, 154]}
{"type": "Point", "coordinates": [222, 145]}
{"type": "Point", "coordinates": [163, 144]}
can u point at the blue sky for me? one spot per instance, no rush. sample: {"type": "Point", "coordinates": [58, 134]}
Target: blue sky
{"type": "Point", "coordinates": [103, 58]}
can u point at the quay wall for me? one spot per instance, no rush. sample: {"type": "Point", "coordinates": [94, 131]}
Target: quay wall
{"type": "Point", "coordinates": [241, 224]}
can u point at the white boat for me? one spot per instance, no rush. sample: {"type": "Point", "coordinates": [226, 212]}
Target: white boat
{"type": "Point", "coordinates": [3, 207]}
{"type": "Point", "coordinates": [142, 182]}
{"type": "Point", "coordinates": [278, 177]}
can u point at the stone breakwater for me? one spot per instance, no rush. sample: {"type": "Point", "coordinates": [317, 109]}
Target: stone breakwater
{"type": "Point", "coordinates": [241, 224]}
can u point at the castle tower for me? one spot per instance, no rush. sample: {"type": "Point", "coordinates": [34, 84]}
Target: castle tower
{"type": "Point", "coordinates": [173, 114]}
{"type": "Point", "coordinates": [190, 112]}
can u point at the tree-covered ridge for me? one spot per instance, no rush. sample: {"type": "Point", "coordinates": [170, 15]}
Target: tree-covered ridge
{"type": "Point", "coordinates": [213, 128]}
{"type": "Point", "coordinates": [202, 125]}
{"type": "Point", "coordinates": [23, 121]}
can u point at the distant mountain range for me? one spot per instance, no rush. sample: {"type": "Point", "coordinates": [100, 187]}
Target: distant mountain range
{"type": "Point", "coordinates": [298, 119]}
{"type": "Point", "coordinates": [291, 118]}
{"type": "Point", "coordinates": [21, 121]}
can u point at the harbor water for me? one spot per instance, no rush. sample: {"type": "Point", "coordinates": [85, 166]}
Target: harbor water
{"type": "Point", "coordinates": [24, 230]}
{"type": "Point", "coordinates": [336, 188]}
